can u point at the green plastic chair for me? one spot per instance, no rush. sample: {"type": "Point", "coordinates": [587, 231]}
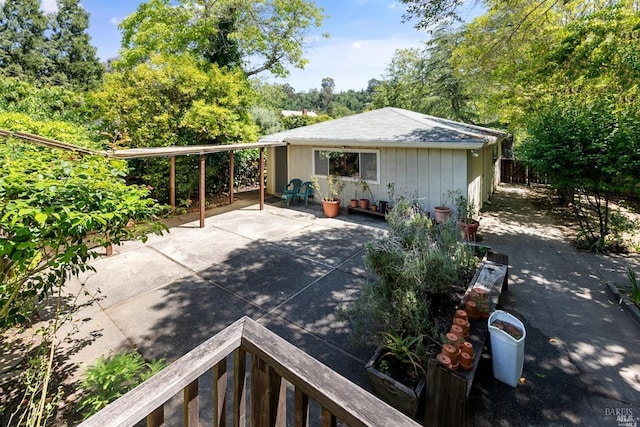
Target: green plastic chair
{"type": "Point", "coordinates": [304, 192]}
{"type": "Point", "coordinates": [290, 191]}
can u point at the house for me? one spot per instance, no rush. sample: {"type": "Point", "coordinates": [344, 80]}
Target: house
{"type": "Point", "coordinates": [420, 155]}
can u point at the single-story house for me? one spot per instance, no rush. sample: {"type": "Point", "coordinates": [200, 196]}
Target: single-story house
{"type": "Point", "coordinates": [422, 156]}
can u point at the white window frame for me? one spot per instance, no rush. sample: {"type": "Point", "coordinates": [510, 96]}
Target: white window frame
{"type": "Point", "coordinates": [346, 150]}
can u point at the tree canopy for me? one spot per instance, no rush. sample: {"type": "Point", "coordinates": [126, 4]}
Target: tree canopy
{"type": "Point", "coordinates": [256, 36]}
{"type": "Point", "coordinates": [48, 49]}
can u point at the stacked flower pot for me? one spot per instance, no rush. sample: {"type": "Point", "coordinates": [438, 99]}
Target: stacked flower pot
{"type": "Point", "coordinates": [457, 352]}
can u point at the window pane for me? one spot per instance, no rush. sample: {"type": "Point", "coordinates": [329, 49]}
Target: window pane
{"type": "Point", "coordinates": [369, 167]}
{"type": "Point", "coordinates": [320, 162]}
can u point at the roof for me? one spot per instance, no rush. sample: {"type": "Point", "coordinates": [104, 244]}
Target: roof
{"type": "Point", "coordinates": [138, 153]}
{"type": "Point", "coordinates": [390, 126]}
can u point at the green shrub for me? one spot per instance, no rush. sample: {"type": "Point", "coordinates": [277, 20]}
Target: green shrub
{"type": "Point", "coordinates": [417, 265]}
{"type": "Point", "coordinates": [114, 376]}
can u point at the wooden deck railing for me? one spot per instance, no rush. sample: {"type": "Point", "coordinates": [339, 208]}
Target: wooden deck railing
{"type": "Point", "coordinates": [260, 396]}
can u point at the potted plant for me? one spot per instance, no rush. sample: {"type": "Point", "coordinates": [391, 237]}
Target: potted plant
{"type": "Point", "coordinates": [330, 195]}
{"type": "Point", "coordinates": [364, 185]}
{"type": "Point", "coordinates": [418, 272]}
{"type": "Point", "coordinates": [354, 200]}
{"type": "Point", "coordinates": [465, 216]}
{"type": "Point", "coordinates": [397, 358]}
{"type": "Point", "coordinates": [442, 212]}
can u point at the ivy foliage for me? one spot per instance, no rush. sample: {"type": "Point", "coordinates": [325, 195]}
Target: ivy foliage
{"type": "Point", "coordinates": [56, 210]}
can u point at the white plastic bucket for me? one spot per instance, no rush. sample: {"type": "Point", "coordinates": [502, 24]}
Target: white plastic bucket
{"type": "Point", "coordinates": [507, 353]}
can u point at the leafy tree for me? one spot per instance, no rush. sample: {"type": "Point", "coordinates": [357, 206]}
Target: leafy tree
{"type": "Point", "coordinates": [72, 59]}
{"type": "Point", "coordinates": [179, 100]}
{"type": "Point", "coordinates": [47, 103]}
{"type": "Point", "coordinates": [22, 28]}
{"type": "Point", "coordinates": [424, 80]}
{"type": "Point", "coordinates": [257, 35]}
{"type": "Point", "coordinates": [267, 119]}
{"type": "Point", "coordinates": [54, 207]}
{"type": "Point", "coordinates": [591, 148]}
{"type": "Point", "coordinates": [326, 94]}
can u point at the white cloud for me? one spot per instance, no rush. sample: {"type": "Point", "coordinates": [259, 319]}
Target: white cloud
{"type": "Point", "coordinates": [115, 21]}
{"type": "Point", "coordinates": [49, 6]}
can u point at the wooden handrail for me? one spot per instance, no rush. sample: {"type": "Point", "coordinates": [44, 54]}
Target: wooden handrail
{"type": "Point", "coordinates": [273, 360]}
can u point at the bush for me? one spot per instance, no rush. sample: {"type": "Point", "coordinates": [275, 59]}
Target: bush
{"type": "Point", "coordinates": [418, 265]}
{"type": "Point", "coordinates": [114, 376]}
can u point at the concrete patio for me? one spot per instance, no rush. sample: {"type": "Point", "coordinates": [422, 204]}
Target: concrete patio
{"type": "Point", "coordinates": [290, 269]}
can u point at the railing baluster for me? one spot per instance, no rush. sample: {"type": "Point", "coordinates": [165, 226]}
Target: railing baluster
{"type": "Point", "coordinates": [156, 418]}
{"type": "Point", "coordinates": [220, 394]}
{"type": "Point", "coordinates": [239, 387]}
{"type": "Point", "coordinates": [268, 395]}
{"type": "Point", "coordinates": [301, 409]}
{"type": "Point", "coordinates": [190, 405]}
{"type": "Point", "coordinates": [328, 419]}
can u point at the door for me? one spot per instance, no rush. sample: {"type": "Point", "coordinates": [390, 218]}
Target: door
{"type": "Point", "coordinates": [281, 168]}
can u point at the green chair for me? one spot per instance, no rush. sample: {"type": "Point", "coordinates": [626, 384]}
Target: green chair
{"type": "Point", "coordinates": [304, 192]}
{"type": "Point", "coordinates": [290, 191]}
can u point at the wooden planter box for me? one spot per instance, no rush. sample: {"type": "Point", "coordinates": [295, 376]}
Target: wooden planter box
{"type": "Point", "coordinates": [407, 400]}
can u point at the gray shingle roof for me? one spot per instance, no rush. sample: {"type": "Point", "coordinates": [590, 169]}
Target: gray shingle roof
{"type": "Point", "coordinates": [390, 127]}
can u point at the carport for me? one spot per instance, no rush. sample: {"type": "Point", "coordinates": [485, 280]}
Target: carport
{"type": "Point", "coordinates": [172, 153]}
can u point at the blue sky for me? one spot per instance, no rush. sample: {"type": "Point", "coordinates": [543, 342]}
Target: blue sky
{"type": "Point", "coordinates": [364, 36]}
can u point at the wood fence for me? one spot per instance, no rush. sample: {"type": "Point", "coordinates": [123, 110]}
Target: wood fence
{"type": "Point", "coordinates": [517, 173]}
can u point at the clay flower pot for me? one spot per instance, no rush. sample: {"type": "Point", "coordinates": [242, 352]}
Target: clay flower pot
{"type": "Point", "coordinates": [451, 352]}
{"type": "Point", "coordinates": [354, 203]}
{"type": "Point", "coordinates": [364, 203]}
{"type": "Point", "coordinates": [466, 361]}
{"type": "Point", "coordinates": [444, 360]}
{"type": "Point", "coordinates": [472, 310]}
{"type": "Point", "coordinates": [467, 348]}
{"type": "Point", "coordinates": [461, 314]}
{"type": "Point", "coordinates": [457, 330]}
{"type": "Point", "coordinates": [451, 338]}
{"type": "Point", "coordinates": [464, 325]}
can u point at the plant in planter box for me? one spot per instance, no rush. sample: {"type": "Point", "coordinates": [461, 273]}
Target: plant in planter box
{"type": "Point", "coordinates": [330, 194]}
{"type": "Point", "coordinates": [398, 362]}
{"type": "Point", "coordinates": [419, 272]}
{"type": "Point", "coordinates": [465, 215]}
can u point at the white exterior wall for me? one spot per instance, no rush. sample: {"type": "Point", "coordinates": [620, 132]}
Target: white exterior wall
{"type": "Point", "coordinates": [423, 173]}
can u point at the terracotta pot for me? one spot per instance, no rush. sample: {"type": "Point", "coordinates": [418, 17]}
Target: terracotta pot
{"type": "Point", "coordinates": [461, 314]}
{"type": "Point", "coordinates": [364, 203]}
{"type": "Point", "coordinates": [463, 324]}
{"type": "Point", "coordinates": [472, 310]}
{"type": "Point", "coordinates": [467, 348]}
{"type": "Point", "coordinates": [451, 338]}
{"type": "Point", "coordinates": [444, 360]}
{"type": "Point", "coordinates": [466, 361]}
{"type": "Point", "coordinates": [331, 208]}
{"type": "Point", "coordinates": [354, 203]}
{"type": "Point", "coordinates": [469, 230]}
{"type": "Point", "coordinates": [441, 213]}
{"type": "Point", "coordinates": [374, 208]}
{"type": "Point", "coordinates": [452, 352]}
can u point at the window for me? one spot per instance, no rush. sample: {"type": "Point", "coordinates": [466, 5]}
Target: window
{"type": "Point", "coordinates": [346, 163]}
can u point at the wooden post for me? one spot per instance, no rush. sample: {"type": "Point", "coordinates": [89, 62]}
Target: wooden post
{"type": "Point", "coordinates": [202, 189]}
{"type": "Point", "coordinates": [239, 387]}
{"type": "Point", "coordinates": [190, 405]}
{"type": "Point", "coordinates": [172, 182]}
{"type": "Point", "coordinates": [156, 418]}
{"type": "Point", "coordinates": [220, 394]}
{"type": "Point", "coordinates": [261, 178]}
{"type": "Point", "coordinates": [232, 158]}
{"type": "Point", "coordinates": [301, 409]}
{"type": "Point", "coordinates": [268, 395]}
